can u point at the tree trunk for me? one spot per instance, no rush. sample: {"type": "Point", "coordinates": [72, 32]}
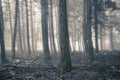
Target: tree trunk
{"type": "Point", "coordinates": [111, 38]}
{"type": "Point", "coordinates": [87, 34]}
{"type": "Point", "coordinates": [32, 29]}
{"type": "Point", "coordinates": [44, 16]}
{"type": "Point", "coordinates": [96, 25]}
{"type": "Point", "coordinates": [10, 17]}
{"type": "Point", "coordinates": [52, 27]}
{"type": "Point", "coordinates": [57, 24]}
{"type": "Point", "coordinates": [2, 45]}
{"type": "Point", "coordinates": [20, 48]}
{"type": "Point", "coordinates": [50, 36]}
{"type": "Point", "coordinates": [65, 60]}
{"type": "Point", "coordinates": [68, 2]}
{"type": "Point", "coordinates": [101, 38]}
{"type": "Point", "coordinates": [23, 27]}
{"type": "Point", "coordinates": [27, 25]}
{"type": "Point", "coordinates": [15, 29]}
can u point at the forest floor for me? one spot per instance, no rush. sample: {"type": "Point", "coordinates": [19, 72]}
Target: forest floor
{"type": "Point", "coordinates": [106, 67]}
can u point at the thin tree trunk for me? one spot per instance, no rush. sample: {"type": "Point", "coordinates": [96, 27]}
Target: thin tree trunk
{"type": "Point", "coordinates": [10, 17]}
{"type": "Point", "coordinates": [20, 48]}
{"type": "Point", "coordinates": [73, 37]}
{"type": "Point", "coordinates": [32, 29]}
{"type": "Point", "coordinates": [27, 25]}
{"type": "Point", "coordinates": [52, 27]}
{"type": "Point", "coordinates": [111, 38]}
{"type": "Point", "coordinates": [101, 39]}
{"type": "Point", "coordinates": [23, 27]}
{"type": "Point", "coordinates": [50, 38]}
{"type": "Point", "coordinates": [15, 29]}
{"type": "Point", "coordinates": [79, 42]}
{"type": "Point", "coordinates": [57, 25]}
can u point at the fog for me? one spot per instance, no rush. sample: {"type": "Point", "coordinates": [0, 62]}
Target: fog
{"type": "Point", "coordinates": [59, 39]}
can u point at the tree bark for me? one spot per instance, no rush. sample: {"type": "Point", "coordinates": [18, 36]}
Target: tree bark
{"type": "Point", "coordinates": [111, 38]}
{"type": "Point", "coordinates": [10, 17]}
{"type": "Point", "coordinates": [65, 60]}
{"type": "Point", "coordinates": [32, 29]}
{"type": "Point", "coordinates": [87, 34]}
{"type": "Point", "coordinates": [52, 27]}
{"type": "Point", "coordinates": [101, 38]}
{"type": "Point", "coordinates": [96, 25]}
{"type": "Point", "coordinates": [2, 44]}
{"type": "Point", "coordinates": [15, 28]}
{"type": "Point", "coordinates": [20, 48]}
{"type": "Point", "coordinates": [44, 16]}
{"type": "Point", "coordinates": [27, 25]}
{"type": "Point", "coordinates": [23, 27]}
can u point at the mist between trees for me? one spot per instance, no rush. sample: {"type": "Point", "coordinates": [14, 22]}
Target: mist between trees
{"type": "Point", "coordinates": [58, 29]}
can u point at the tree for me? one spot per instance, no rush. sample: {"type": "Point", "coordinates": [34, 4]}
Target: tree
{"type": "Point", "coordinates": [65, 60]}
{"type": "Point", "coordinates": [87, 34]}
{"type": "Point", "coordinates": [19, 42]}
{"type": "Point", "coordinates": [96, 25]}
{"type": "Point", "coordinates": [27, 24]}
{"type": "Point", "coordinates": [2, 45]}
{"type": "Point", "coordinates": [44, 16]}
{"type": "Point", "coordinates": [23, 26]}
{"type": "Point", "coordinates": [111, 38]}
{"type": "Point", "coordinates": [101, 38]}
{"type": "Point", "coordinates": [32, 29]}
{"type": "Point", "coordinates": [15, 28]}
{"type": "Point", "coordinates": [52, 28]}
{"type": "Point", "coordinates": [10, 16]}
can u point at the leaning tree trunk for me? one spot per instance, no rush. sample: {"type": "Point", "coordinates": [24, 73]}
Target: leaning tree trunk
{"type": "Point", "coordinates": [65, 60]}
{"type": "Point", "coordinates": [2, 45]}
{"type": "Point", "coordinates": [44, 16]}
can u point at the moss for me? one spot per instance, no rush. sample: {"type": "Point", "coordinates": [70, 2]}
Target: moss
{"type": "Point", "coordinates": [92, 57]}
{"type": "Point", "coordinates": [65, 66]}
{"type": "Point", "coordinates": [101, 67]}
